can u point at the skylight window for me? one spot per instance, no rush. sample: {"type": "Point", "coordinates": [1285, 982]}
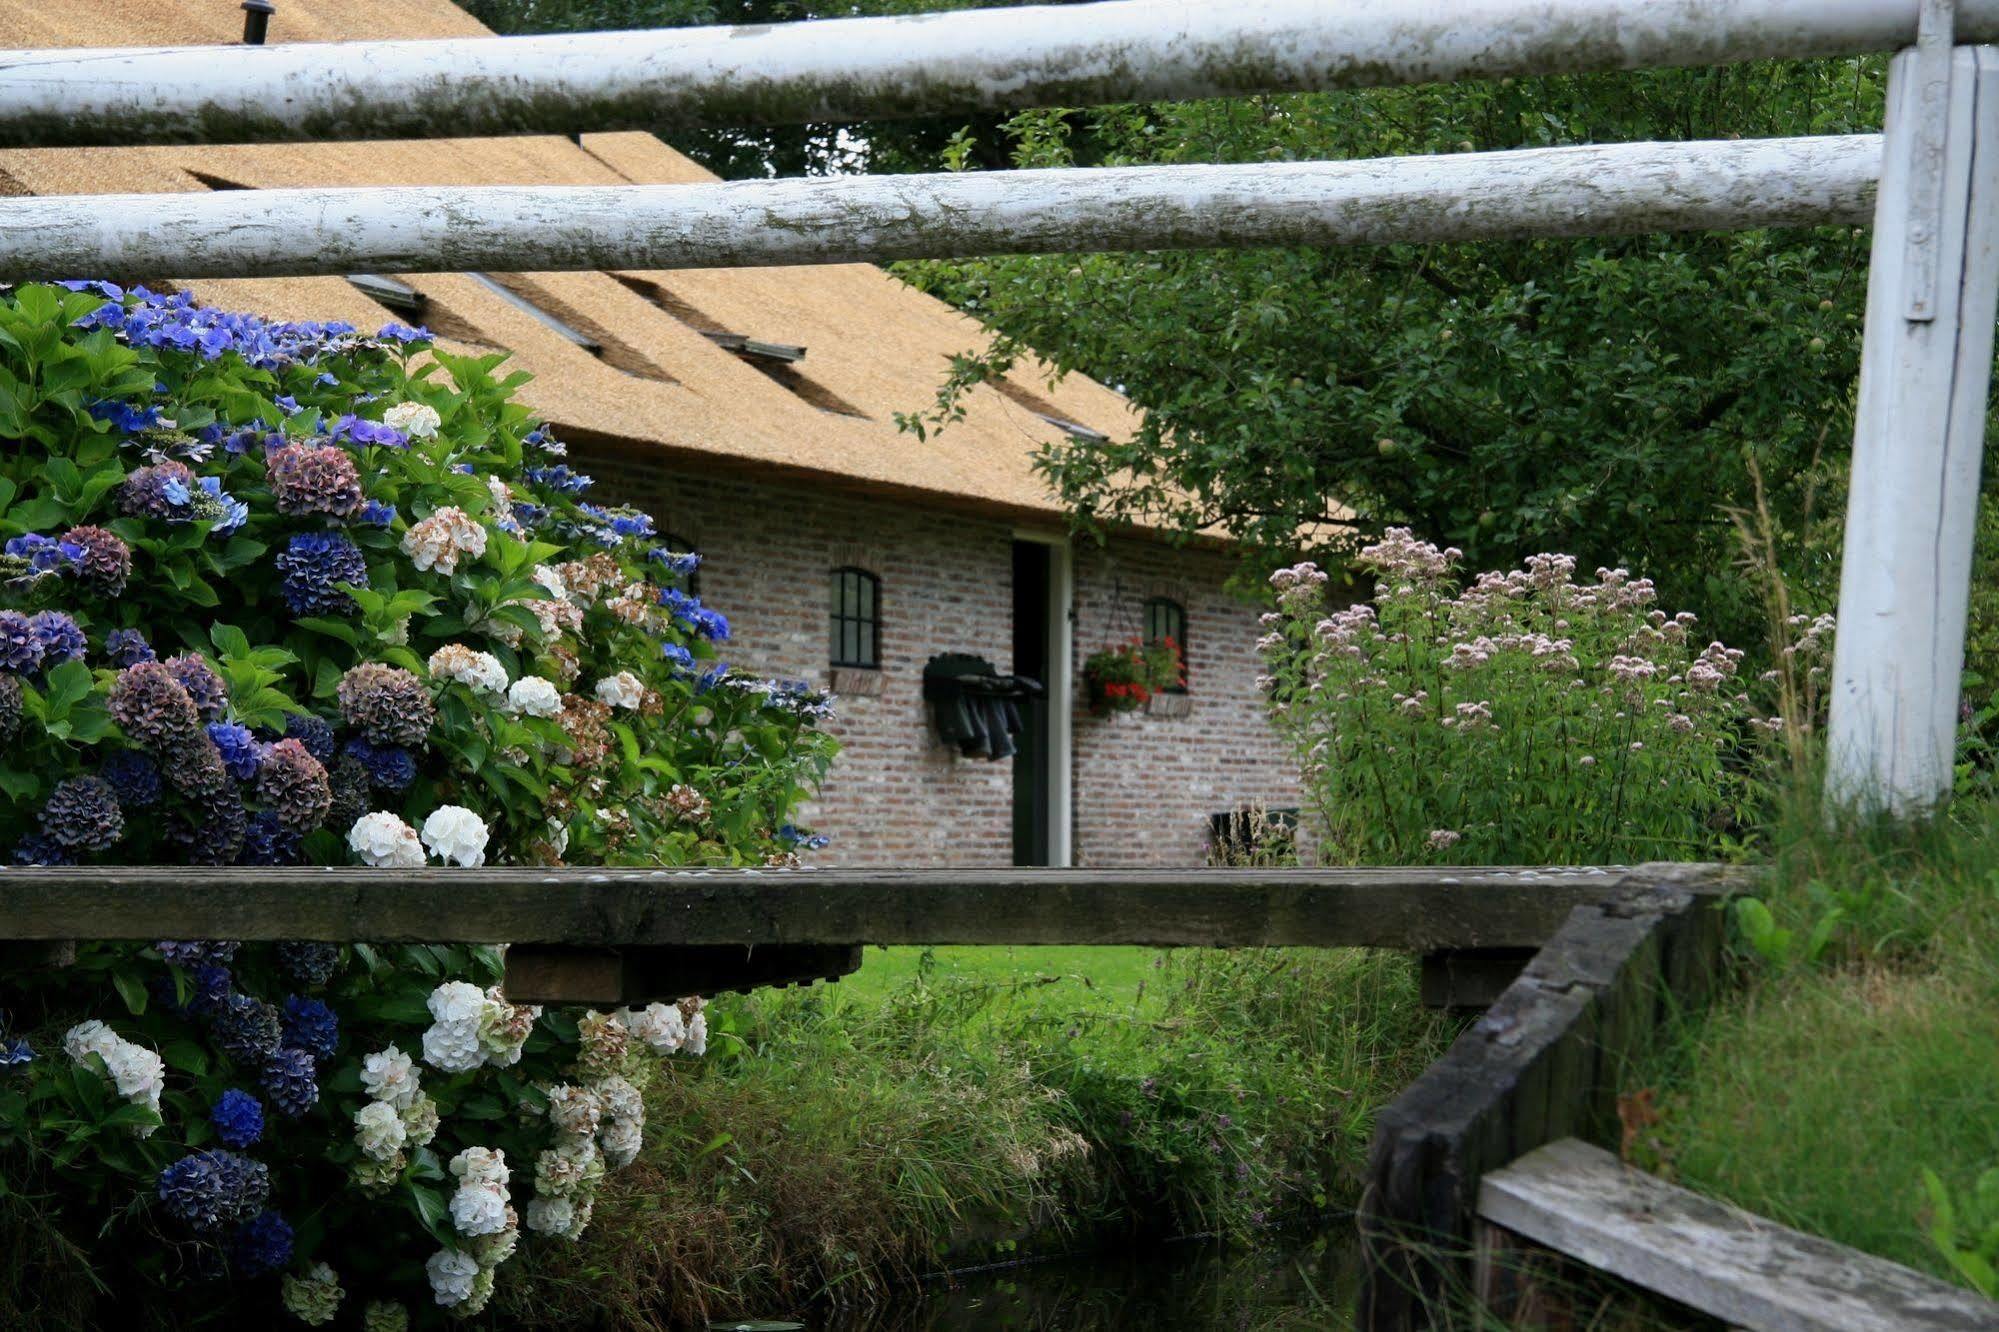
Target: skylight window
{"type": "Point", "coordinates": [400, 297]}
{"type": "Point", "coordinates": [528, 307]}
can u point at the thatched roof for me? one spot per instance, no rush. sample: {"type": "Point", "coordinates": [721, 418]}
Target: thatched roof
{"type": "Point", "coordinates": [874, 347]}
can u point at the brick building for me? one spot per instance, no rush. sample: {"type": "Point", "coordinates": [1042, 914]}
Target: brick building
{"type": "Point", "coordinates": [753, 412]}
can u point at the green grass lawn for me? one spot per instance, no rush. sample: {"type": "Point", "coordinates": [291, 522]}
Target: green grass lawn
{"type": "Point", "coordinates": [1098, 979]}
{"type": "Point", "coordinates": [1820, 1093]}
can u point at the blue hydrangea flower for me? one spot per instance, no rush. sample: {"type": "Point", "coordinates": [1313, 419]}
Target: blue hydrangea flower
{"type": "Point", "coordinates": [124, 417]}
{"type": "Point", "coordinates": [309, 963]}
{"type": "Point", "coordinates": [313, 566]}
{"type": "Point", "coordinates": [227, 512]}
{"type": "Point", "coordinates": [266, 841]}
{"type": "Point", "coordinates": [376, 514]}
{"type": "Point", "coordinates": [559, 478]}
{"type": "Point", "coordinates": [241, 753]}
{"type": "Point", "coordinates": [530, 515]}
{"type": "Point", "coordinates": [210, 990]}
{"type": "Point", "coordinates": [15, 1053]}
{"type": "Point", "coordinates": [404, 333]}
{"type": "Point", "coordinates": [133, 777]}
{"type": "Point", "coordinates": [709, 624]}
{"type": "Point", "coordinates": [20, 646]}
{"type": "Point", "coordinates": [261, 1245]}
{"type": "Point", "coordinates": [37, 849]}
{"type": "Point", "coordinates": [206, 1191]}
{"type": "Point", "coordinates": [44, 555]}
{"type": "Point", "coordinates": [247, 1029]}
{"type": "Point", "coordinates": [682, 563]}
{"type": "Point", "coordinates": [238, 1118]}
{"type": "Point", "coordinates": [173, 320]}
{"type": "Point", "coordinates": [290, 1081]}
{"type": "Point", "coordinates": [128, 647]}
{"type": "Point", "coordinates": [59, 636]}
{"type": "Point", "coordinates": [679, 656]}
{"type": "Point", "coordinates": [390, 767]}
{"type": "Point", "coordinates": [362, 431]}
{"type": "Point", "coordinates": [311, 1026]}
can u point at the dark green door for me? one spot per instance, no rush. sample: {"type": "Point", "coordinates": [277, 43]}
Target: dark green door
{"type": "Point", "coordinates": [1033, 564]}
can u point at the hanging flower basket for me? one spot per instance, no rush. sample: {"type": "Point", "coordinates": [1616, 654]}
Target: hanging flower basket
{"type": "Point", "coordinates": [1124, 677]}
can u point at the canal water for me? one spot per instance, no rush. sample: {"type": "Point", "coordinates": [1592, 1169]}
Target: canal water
{"type": "Point", "coordinates": [1185, 1286]}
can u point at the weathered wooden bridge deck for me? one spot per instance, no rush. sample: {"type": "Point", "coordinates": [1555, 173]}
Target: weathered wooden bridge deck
{"type": "Point", "coordinates": [1419, 910]}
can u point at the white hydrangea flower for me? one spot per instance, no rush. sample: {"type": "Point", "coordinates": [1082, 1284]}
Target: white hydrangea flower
{"type": "Point", "coordinates": [457, 1001]}
{"type": "Point", "coordinates": [482, 1167]}
{"type": "Point", "coordinates": [390, 1075]}
{"type": "Point", "coordinates": [417, 420]}
{"type": "Point", "coordinates": [385, 841]}
{"type": "Point", "coordinates": [660, 1026]}
{"type": "Point", "coordinates": [90, 1038]}
{"type": "Point", "coordinates": [379, 1131]}
{"type": "Point", "coordinates": [574, 1110]}
{"type": "Point", "coordinates": [621, 1140]}
{"type": "Point", "coordinates": [455, 833]}
{"type": "Point", "coordinates": [551, 580]}
{"type": "Point", "coordinates": [439, 540]}
{"type": "Point", "coordinates": [534, 696]}
{"type": "Point", "coordinates": [621, 1100]}
{"type": "Point", "coordinates": [550, 1215]}
{"type": "Point", "coordinates": [478, 1209]}
{"type": "Point", "coordinates": [478, 670]}
{"type": "Point", "coordinates": [453, 1047]}
{"type": "Point", "coordinates": [489, 1251]}
{"type": "Point", "coordinates": [623, 690]}
{"type": "Point", "coordinates": [697, 1035]}
{"type": "Point", "coordinates": [451, 1276]}
{"type": "Point", "coordinates": [569, 1165]}
{"type": "Point", "coordinates": [313, 1299]}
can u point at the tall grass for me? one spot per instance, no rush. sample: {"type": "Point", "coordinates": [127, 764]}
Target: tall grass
{"type": "Point", "coordinates": [836, 1146]}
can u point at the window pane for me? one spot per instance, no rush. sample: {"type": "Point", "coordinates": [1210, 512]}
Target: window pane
{"type": "Point", "coordinates": [852, 649]}
{"type": "Point", "coordinates": [867, 596]}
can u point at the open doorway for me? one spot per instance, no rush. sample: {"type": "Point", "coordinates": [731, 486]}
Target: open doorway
{"type": "Point", "coordinates": [1033, 656]}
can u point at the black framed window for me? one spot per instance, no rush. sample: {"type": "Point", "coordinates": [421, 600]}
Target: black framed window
{"type": "Point", "coordinates": [1167, 618]}
{"type": "Point", "coordinates": [856, 618]}
{"type": "Point", "coordinates": [680, 545]}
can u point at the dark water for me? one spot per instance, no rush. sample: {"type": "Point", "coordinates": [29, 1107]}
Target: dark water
{"type": "Point", "coordinates": [1187, 1286]}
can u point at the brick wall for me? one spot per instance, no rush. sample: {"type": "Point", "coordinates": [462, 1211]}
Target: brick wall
{"type": "Point", "coordinates": [1147, 781]}
{"type": "Point", "coordinates": [1144, 785]}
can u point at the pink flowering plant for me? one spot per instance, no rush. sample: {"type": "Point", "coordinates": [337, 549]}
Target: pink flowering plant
{"type": "Point", "coordinates": [286, 594]}
{"type": "Point", "coordinates": [1525, 718]}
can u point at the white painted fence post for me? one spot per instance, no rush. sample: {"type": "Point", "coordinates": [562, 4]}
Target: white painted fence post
{"type": "Point", "coordinates": [1925, 369]}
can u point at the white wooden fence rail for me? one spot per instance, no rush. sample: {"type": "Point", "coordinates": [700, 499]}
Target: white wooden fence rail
{"type": "Point", "coordinates": [1933, 286]}
{"type": "Point", "coordinates": [859, 69]}
{"type": "Point", "coordinates": [1640, 187]}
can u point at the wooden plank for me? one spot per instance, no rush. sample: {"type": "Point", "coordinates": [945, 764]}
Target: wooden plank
{"type": "Point", "coordinates": [1582, 1201]}
{"type": "Point", "coordinates": [1524, 193]}
{"type": "Point", "coordinates": [1469, 978]}
{"type": "Point", "coordinates": [1416, 909]}
{"type": "Point", "coordinates": [915, 65]}
{"type": "Point", "coordinates": [1919, 432]}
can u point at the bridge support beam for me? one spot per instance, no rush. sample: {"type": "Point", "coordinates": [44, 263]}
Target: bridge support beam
{"type": "Point", "coordinates": [1932, 295]}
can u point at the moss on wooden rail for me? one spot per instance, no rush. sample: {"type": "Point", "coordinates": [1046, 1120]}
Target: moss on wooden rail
{"type": "Point", "coordinates": [1416, 909]}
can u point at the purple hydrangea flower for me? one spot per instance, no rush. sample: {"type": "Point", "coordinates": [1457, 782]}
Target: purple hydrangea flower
{"type": "Point", "coordinates": [20, 646]}
{"type": "Point", "coordinates": [59, 636]}
{"type": "Point", "coordinates": [127, 647]}
{"type": "Point", "coordinates": [313, 565]}
{"type": "Point", "coordinates": [291, 1082]}
{"type": "Point", "coordinates": [82, 814]}
{"type": "Point", "coordinates": [206, 1191]}
{"type": "Point", "coordinates": [103, 562]}
{"type": "Point", "coordinates": [203, 685]}
{"type": "Point", "coordinates": [309, 963]}
{"type": "Point", "coordinates": [266, 841]}
{"type": "Point", "coordinates": [37, 849]}
{"type": "Point", "coordinates": [193, 953]}
{"type": "Point", "coordinates": [315, 733]}
{"type": "Point", "coordinates": [308, 479]}
{"type": "Point", "coordinates": [153, 707]}
{"type": "Point", "coordinates": [248, 1030]}
{"type": "Point", "coordinates": [294, 786]}
{"type": "Point", "coordinates": [238, 1118]}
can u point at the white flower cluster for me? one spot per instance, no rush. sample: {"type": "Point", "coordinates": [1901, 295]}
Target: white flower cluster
{"type": "Point", "coordinates": [534, 696]}
{"type": "Point", "coordinates": [481, 671]}
{"type": "Point", "coordinates": [669, 1028]}
{"type": "Point", "coordinates": [461, 1279]}
{"type": "Point", "coordinates": [314, 1298]}
{"type": "Point", "coordinates": [418, 420]}
{"type": "Point", "coordinates": [474, 1028]}
{"type": "Point", "coordinates": [623, 690]}
{"type": "Point", "coordinates": [452, 833]}
{"type": "Point", "coordinates": [438, 541]}
{"type": "Point", "coordinates": [137, 1072]}
{"type": "Point", "coordinates": [398, 1119]}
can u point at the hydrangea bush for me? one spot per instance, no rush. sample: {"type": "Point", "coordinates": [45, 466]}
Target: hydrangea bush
{"type": "Point", "coordinates": [1527, 718]}
{"type": "Point", "coordinates": [283, 594]}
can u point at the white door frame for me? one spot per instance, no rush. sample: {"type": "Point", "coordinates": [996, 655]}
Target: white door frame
{"type": "Point", "coordinates": [1061, 684]}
